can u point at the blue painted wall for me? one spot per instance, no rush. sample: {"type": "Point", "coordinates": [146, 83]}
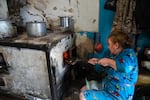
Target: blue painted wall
{"type": "Point", "coordinates": [106, 18]}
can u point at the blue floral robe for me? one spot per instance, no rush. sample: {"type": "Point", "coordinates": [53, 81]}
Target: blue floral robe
{"type": "Point", "coordinates": [118, 84]}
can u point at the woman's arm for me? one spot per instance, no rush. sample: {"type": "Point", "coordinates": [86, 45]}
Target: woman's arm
{"type": "Point", "coordinates": [93, 61]}
{"type": "Point", "coordinates": [107, 62]}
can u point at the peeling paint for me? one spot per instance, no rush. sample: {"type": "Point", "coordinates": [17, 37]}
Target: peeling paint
{"type": "Point", "coordinates": [54, 8]}
{"type": "Point", "coordinates": [94, 20]}
{"type": "Point", "coordinates": [78, 7]}
{"type": "Point", "coordinates": [45, 10]}
{"type": "Point", "coordinates": [57, 55]}
{"type": "Point", "coordinates": [3, 9]}
{"type": "Point", "coordinates": [84, 45]}
{"type": "Point", "coordinates": [69, 2]}
{"type": "Point", "coordinates": [28, 72]}
{"type": "Point", "coordinates": [28, 67]}
{"type": "Point", "coordinates": [41, 5]}
{"type": "Point", "coordinates": [70, 10]}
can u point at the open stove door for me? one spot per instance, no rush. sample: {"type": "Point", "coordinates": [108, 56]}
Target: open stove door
{"type": "Point", "coordinates": [3, 70]}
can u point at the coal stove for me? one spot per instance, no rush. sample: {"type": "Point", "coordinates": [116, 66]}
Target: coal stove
{"type": "Point", "coordinates": [34, 67]}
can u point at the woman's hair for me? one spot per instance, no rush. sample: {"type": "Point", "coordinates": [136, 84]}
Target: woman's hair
{"type": "Point", "coordinates": [121, 38]}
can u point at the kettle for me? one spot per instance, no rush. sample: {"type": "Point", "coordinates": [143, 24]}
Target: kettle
{"type": "Point", "coordinates": [7, 29]}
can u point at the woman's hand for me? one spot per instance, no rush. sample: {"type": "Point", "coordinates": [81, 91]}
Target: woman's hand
{"type": "Point", "coordinates": [107, 62]}
{"type": "Point", "coordinates": [104, 61]}
{"type": "Point", "coordinates": [84, 88]}
{"type": "Point", "coordinates": [93, 61]}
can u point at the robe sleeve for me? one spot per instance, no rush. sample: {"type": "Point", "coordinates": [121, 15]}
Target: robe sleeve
{"type": "Point", "coordinates": [125, 63]}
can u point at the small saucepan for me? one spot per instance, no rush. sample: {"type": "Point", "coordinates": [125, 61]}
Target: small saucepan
{"type": "Point", "coordinates": [66, 23]}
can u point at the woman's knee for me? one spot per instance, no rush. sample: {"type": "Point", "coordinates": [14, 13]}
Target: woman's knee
{"type": "Point", "coordinates": [81, 96]}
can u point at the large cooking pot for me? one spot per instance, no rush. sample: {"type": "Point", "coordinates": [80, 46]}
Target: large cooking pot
{"type": "Point", "coordinates": [6, 29]}
{"type": "Point", "coordinates": [36, 29]}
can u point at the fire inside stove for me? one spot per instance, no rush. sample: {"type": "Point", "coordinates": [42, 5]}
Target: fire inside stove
{"type": "Point", "coordinates": [70, 56]}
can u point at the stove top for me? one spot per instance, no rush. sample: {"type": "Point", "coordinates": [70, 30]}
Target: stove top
{"type": "Point", "coordinates": [24, 38]}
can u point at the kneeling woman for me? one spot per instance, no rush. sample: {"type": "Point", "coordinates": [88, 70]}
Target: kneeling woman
{"type": "Point", "coordinates": [122, 71]}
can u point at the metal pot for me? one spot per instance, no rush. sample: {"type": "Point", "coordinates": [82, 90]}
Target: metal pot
{"type": "Point", "coordinates": [6, 29]}
{"type": "Point", "coordinates": [36, 29]}
{"type": "Point", "coordinates": [66, 22]}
